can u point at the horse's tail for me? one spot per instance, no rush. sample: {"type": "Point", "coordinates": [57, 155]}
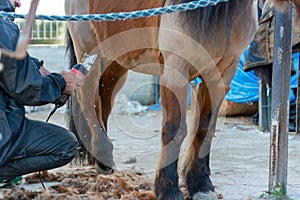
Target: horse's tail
{"type": "Point", "coordinates": [70, 50]}
{"type": "Point", "coordinates": [82, 155]}
{"type": "Point", "coordinates": [70, 53]}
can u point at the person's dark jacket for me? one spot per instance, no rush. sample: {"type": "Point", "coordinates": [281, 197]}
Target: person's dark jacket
{"type": "Point", "coordinates": [260, 52]}
{"type": "Point", "coordinates": [21, 84]}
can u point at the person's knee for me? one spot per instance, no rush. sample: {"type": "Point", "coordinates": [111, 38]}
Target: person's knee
{"type": "Point", "coordinates": [70, 147]}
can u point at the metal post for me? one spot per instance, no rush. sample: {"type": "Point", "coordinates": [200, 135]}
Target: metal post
{"type": "Point", "coordinates": [280, 99]}
{"type": "Point", "coordinates": [264, 106]}
{"type": "Point", "coordinates": [298, 100]}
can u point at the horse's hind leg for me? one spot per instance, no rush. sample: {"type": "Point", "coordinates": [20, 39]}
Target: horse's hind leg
{"type": "Point", "coordinates": [111, 81]}
{"type": "Point", "coordinates": [173, 100]}
{"type": "Point", "coordinates": [196, 169]}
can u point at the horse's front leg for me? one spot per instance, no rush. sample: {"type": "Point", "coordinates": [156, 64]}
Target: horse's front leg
{"type": "Point", "coordinates": [173, 100]}
{"type": "Point", "coordinates": [87, 115]}
{"type": "Point", "coordinates": [111, 81]}
{"type": "Point", "coordinates": [196, 169]}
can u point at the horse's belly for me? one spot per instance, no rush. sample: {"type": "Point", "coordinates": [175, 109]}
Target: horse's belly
{"type": "Point", "coordinates": [146, 62]}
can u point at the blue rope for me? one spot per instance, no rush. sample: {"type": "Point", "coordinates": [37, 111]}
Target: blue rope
{"type": "Point", "coordinates": [122, 15]}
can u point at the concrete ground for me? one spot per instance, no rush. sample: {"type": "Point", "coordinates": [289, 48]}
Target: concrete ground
{"type": "Point", "coordinates": [239, 155]}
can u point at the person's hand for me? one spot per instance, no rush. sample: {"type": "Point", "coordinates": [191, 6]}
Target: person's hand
{"type": "Point", "coordinates": [73, 81]}
{"type": "Point", "coordinates": [44, 71]}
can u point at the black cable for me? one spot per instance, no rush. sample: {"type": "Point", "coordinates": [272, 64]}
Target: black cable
{"type": "Point", "coordinates": [41, 180]}
{"type": "Point", "coordinates": [52, 112]}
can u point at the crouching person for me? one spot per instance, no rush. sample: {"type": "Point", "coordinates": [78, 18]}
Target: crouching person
{"type": "Point", "coordinates": [27, 145]}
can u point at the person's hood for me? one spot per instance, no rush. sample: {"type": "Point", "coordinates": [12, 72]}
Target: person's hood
{"type": "Point", "coordinates": [6, 5]}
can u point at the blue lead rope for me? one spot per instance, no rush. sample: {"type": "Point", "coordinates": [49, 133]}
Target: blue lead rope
{"type": "Point", "coordinates": [121, 15]}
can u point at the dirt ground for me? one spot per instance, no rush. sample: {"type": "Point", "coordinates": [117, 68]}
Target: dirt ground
{"type": "Point", "coordinates": [239, 155]}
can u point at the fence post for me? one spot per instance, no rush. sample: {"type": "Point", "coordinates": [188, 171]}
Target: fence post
{"type": "Point", "coordinates": [280, 99]}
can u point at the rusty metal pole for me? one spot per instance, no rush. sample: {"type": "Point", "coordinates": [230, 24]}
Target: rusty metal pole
{"type": "Point", "coordinates": [264, 106]}
{"type": "Point", "coordinates": [298, 101]}
{"type": "Point", "coordinates": [280, 99]}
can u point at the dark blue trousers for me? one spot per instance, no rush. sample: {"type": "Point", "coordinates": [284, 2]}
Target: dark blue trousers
{"type": "Point", "coordinates": [47, 146]}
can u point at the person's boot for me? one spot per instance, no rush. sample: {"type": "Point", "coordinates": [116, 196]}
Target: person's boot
{"type": "Point", "coordinates": [255, 118]}
{"type": "Point", "coordinates": [292, 117]}
{"type": "Point", "coordinates": [264, 72]}
{"type": "Point", "coordinates": [11, 183]}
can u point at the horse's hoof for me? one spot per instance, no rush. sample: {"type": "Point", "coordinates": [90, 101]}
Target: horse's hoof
{"type": "Point", "coordinates": [170, 193]}
{"type": "Point", "coordinates": [103, 170]}
{"type": "Point", "coordinates": [171, 197]}
{"type": "Point", "coordinates": [205, 196]}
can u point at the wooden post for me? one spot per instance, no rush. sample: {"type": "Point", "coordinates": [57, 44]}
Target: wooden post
{"type": "Point", "coordinates": [280, 99]}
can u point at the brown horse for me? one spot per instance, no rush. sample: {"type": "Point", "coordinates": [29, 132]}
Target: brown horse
{"type": "Point", "coordinates": [205, 43]}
